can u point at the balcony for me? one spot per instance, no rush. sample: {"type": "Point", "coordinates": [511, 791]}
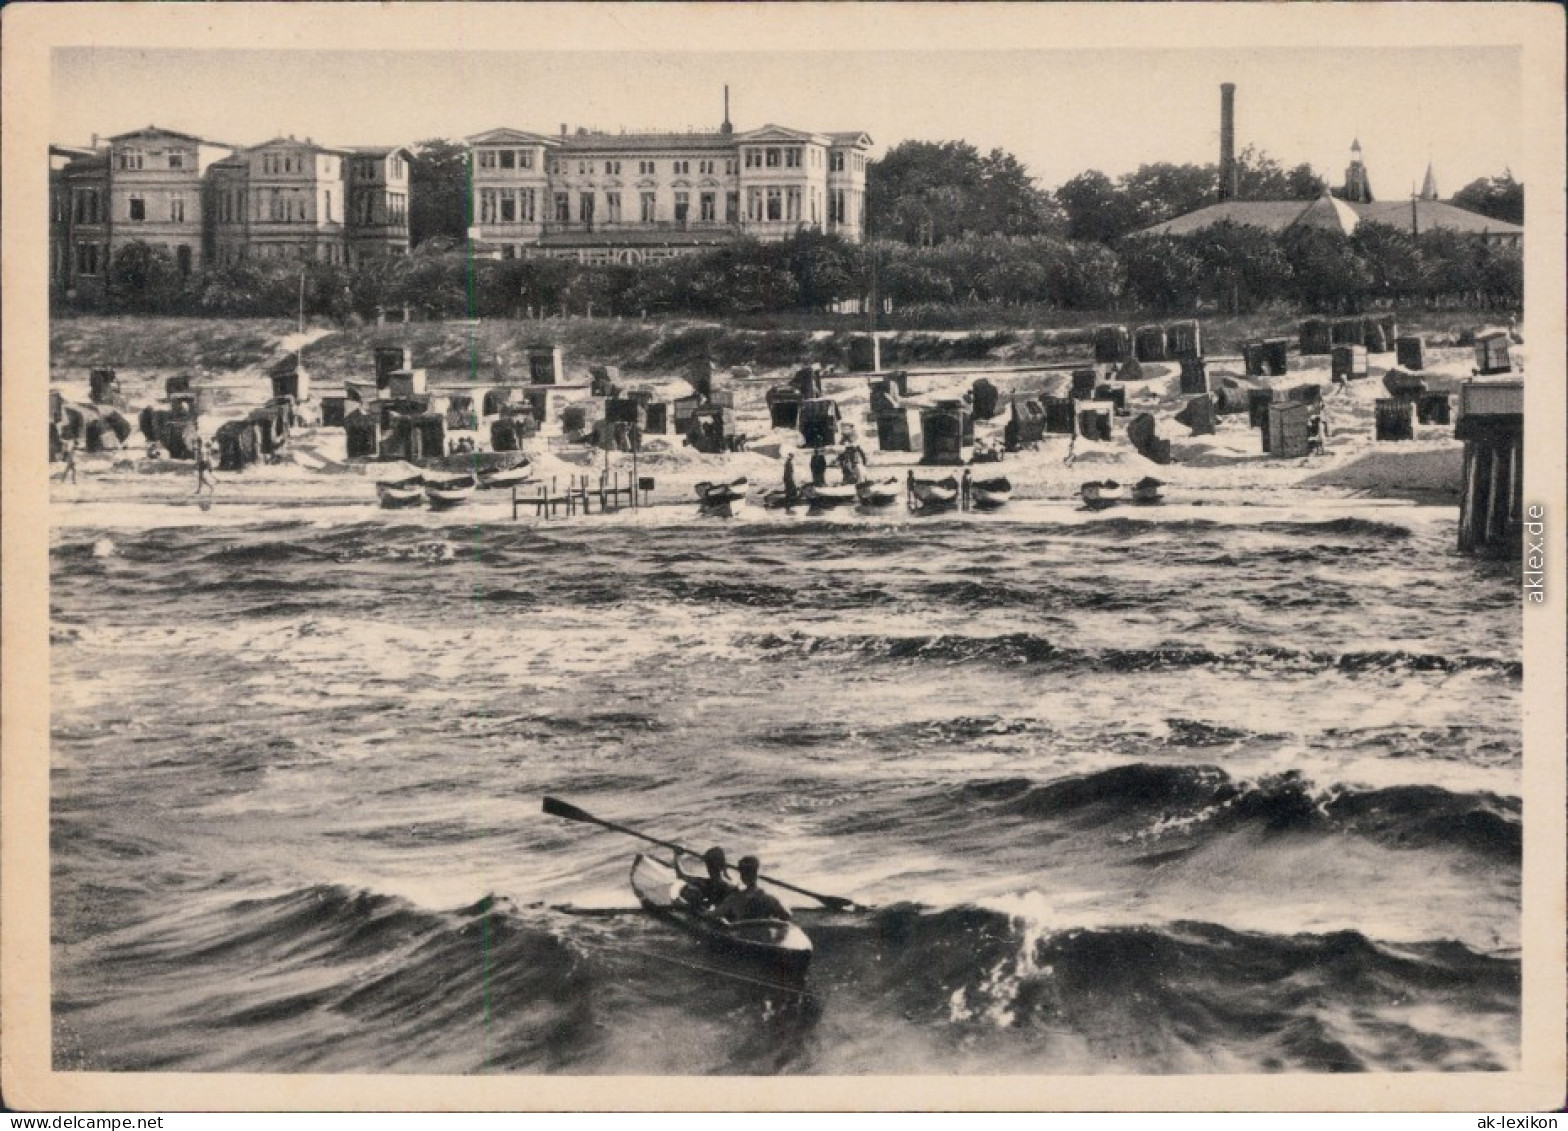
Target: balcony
{"type": "Point", "coordinates": [580, 227]}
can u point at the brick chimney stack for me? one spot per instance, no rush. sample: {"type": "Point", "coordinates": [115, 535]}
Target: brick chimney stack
{"type": "Point", "coordinates": [1228, 172]}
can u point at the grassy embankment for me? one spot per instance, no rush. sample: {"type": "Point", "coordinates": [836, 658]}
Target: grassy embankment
{"type": "Point", "coordinates": [497, 349]}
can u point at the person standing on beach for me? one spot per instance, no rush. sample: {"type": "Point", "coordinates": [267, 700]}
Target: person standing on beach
{"type": "Point", "coordinates": [203, 466]}
{"type": "Point", "coordinates": [819, 469]}
{"type": "Point", "coordinates": [964, 487]}
{"type": "Point", "coordinates": [70, 463]}
{"type": "Point", "coordinates": [790, 490]}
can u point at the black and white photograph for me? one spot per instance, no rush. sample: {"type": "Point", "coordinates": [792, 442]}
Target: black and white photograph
{"type": "Point", "coordinates": [702, 543]}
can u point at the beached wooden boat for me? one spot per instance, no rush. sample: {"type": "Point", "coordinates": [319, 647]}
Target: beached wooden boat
{"type": "Point", "coordinates": [879, 492]}
{"type": "Point", "coordinates": [829, 495]}
{"type": "Point", "coordinates": [401, 485]}
{"type": "Point", "coordinates": [1101, 493]}
{"type": "Point", "coordinates": [777, 500]}
{"type": "Point", "coordinates": [507, 477]}
{"type": "Point", "coordinates": [394, 495]}
{"type": "Point", "coordinates": [725, 500]}
{"type": "Point", "coordinates": [475, 463]}
{"type": "Point", "coordinates": [934, 493]}
{"type": "Point", "coordinates": [1146, 492]}
{"type": "Point", "coordinates": [772, 947]}
{"type": "Point", "coordinates": [447, 491]}
{"type": "Point", "coordinates": [991, 493]}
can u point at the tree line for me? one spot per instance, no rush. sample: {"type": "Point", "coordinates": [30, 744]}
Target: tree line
{"type": "Point", "coordinates": [946, 225]}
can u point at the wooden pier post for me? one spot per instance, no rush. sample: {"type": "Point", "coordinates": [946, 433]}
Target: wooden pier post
{"type": "Point", "coordinates": [1491, 424]}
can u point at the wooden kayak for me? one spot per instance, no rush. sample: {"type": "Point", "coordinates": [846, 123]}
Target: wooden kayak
{"type": "Point", "coordinates": [781, 949]}
{"type": "Point", "coordinates": [879, 493]}
{"type": "Point", "coordinates": [991, 493]}
{"type": "Point", "coordinates": [1101, 493]}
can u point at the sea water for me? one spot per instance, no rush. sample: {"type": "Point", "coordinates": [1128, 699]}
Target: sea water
{"type": "Point", "coordinates": [1152, 791]}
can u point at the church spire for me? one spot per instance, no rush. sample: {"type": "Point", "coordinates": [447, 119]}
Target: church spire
{"type": "Point", "coordinates": [1358, 189]}
{"type": "Point", "coordinates": [1429, 186]}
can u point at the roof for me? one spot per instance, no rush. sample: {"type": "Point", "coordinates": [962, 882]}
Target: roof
{"type": "Point", "coordinates": [1434, 215]}
{"type": "Point", "coordinates": [1329, 213]}
{"type": "Point", "coordinates": [505, 135]}
{"type": "Point", "coordinates": [375, 150]}
{"type": "Point", "coordinates": [772, 132]}
{"type": "Point", "coordinates": [298, 144]}
{"type": "Point", "coordinates": [160, 131]}
{"type": "Point", "coordinates": [1334, 214]}
{"type": "Point", "coordinates": [851, 137]}
{"type": "Point", "coordinates": [1270, 215]}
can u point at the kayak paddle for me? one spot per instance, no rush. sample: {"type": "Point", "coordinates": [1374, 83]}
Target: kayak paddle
{"type": "Point", "coordinates": [558, 808]}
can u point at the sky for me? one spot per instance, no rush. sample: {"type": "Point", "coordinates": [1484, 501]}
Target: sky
{"type": "Point", "coordinates": [1058, 111]}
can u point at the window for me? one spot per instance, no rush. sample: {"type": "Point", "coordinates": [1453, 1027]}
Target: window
{"type": "Point", "coordinates": [753, 158]}
{"type": "Point", "coordinates": [508, 208]}
{"type": "Point", "coordinates": [487, 159]}
{"type": "Point", "coordinates": [508, 159]}
{"type": "Point", "coordinates": [754, 204]}
{"type": "Point", "coordinates": [836, 162]}
{"type": "Point", "coordinates": [732, 207]}
{"type": "Point", "coordinates": [612, 206]}
{"type": "Point", "coordinates": [87, 259]}
{"type": "Point", "coordinates": [177, 161]}
{"type": "Point", "coordinates": [792, 204]}
{"type": "Point", "coordinates": [648, 210]}
{"type": "Point", "coordinates": [177, 208]}
{"type": "Point", "coordinates": [681, 168]}
{"type": "Point", "coordinates": [792, 157]}
{"type": "Point", "coordinates": [775, 204]}
{"type": "Point", "coordinates": [563, 207]}
{"type": "Point", "coordinates": [645, 168]}
{"type": "Point", "coordinates": [682, 206]}
{"type": "Point", "coordinates": [138, 208]}
{"type": "Point", "coordinates": [182, 255]}
{"type": "Point", "coordinates": [816, 207]}
{"type": "Point", "coordinates": [508, 251]}
{"type": "Point", "coordinates": [709, 206]}
{"type": "Point", "coordinates": [85, 205]}
{"type": "Point", "coordinates": [328, 209]}
{"type": "Point", "coordinates": [729, 166]}
{"type": "Point", "coordinates": [301, 207]}
{"type": "Point", "coordinates": [612, 167]}
{"type": "Point", "coordinates": [525, 205]}
{"type": "Point", "coordinates": [552, 165]}
{"type": "Point", "coordinates": [585, 207]}
{"type": "Point", "coordinates": [860, 162]}
{"type": "Point", "coordinates": [773, 157]}
{"type": "Point", "coordinates": [130, 159]}
{"type": "Point", "coordinates": [836, 206]}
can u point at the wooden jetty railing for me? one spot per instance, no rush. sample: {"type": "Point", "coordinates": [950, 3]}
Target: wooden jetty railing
{"type": "Point", "coordinates": [580, 495]}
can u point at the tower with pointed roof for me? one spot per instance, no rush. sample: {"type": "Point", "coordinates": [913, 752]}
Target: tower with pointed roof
{"type": "Point", "coordinates": [1429, 186]}
{"type": "Point", "coordinates": [1358, 189]}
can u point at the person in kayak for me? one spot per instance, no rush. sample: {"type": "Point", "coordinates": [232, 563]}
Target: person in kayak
{"type": "Point", "coordinates": [705, 893]}
{"type": "Point", "coordinates": [750, 902]}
